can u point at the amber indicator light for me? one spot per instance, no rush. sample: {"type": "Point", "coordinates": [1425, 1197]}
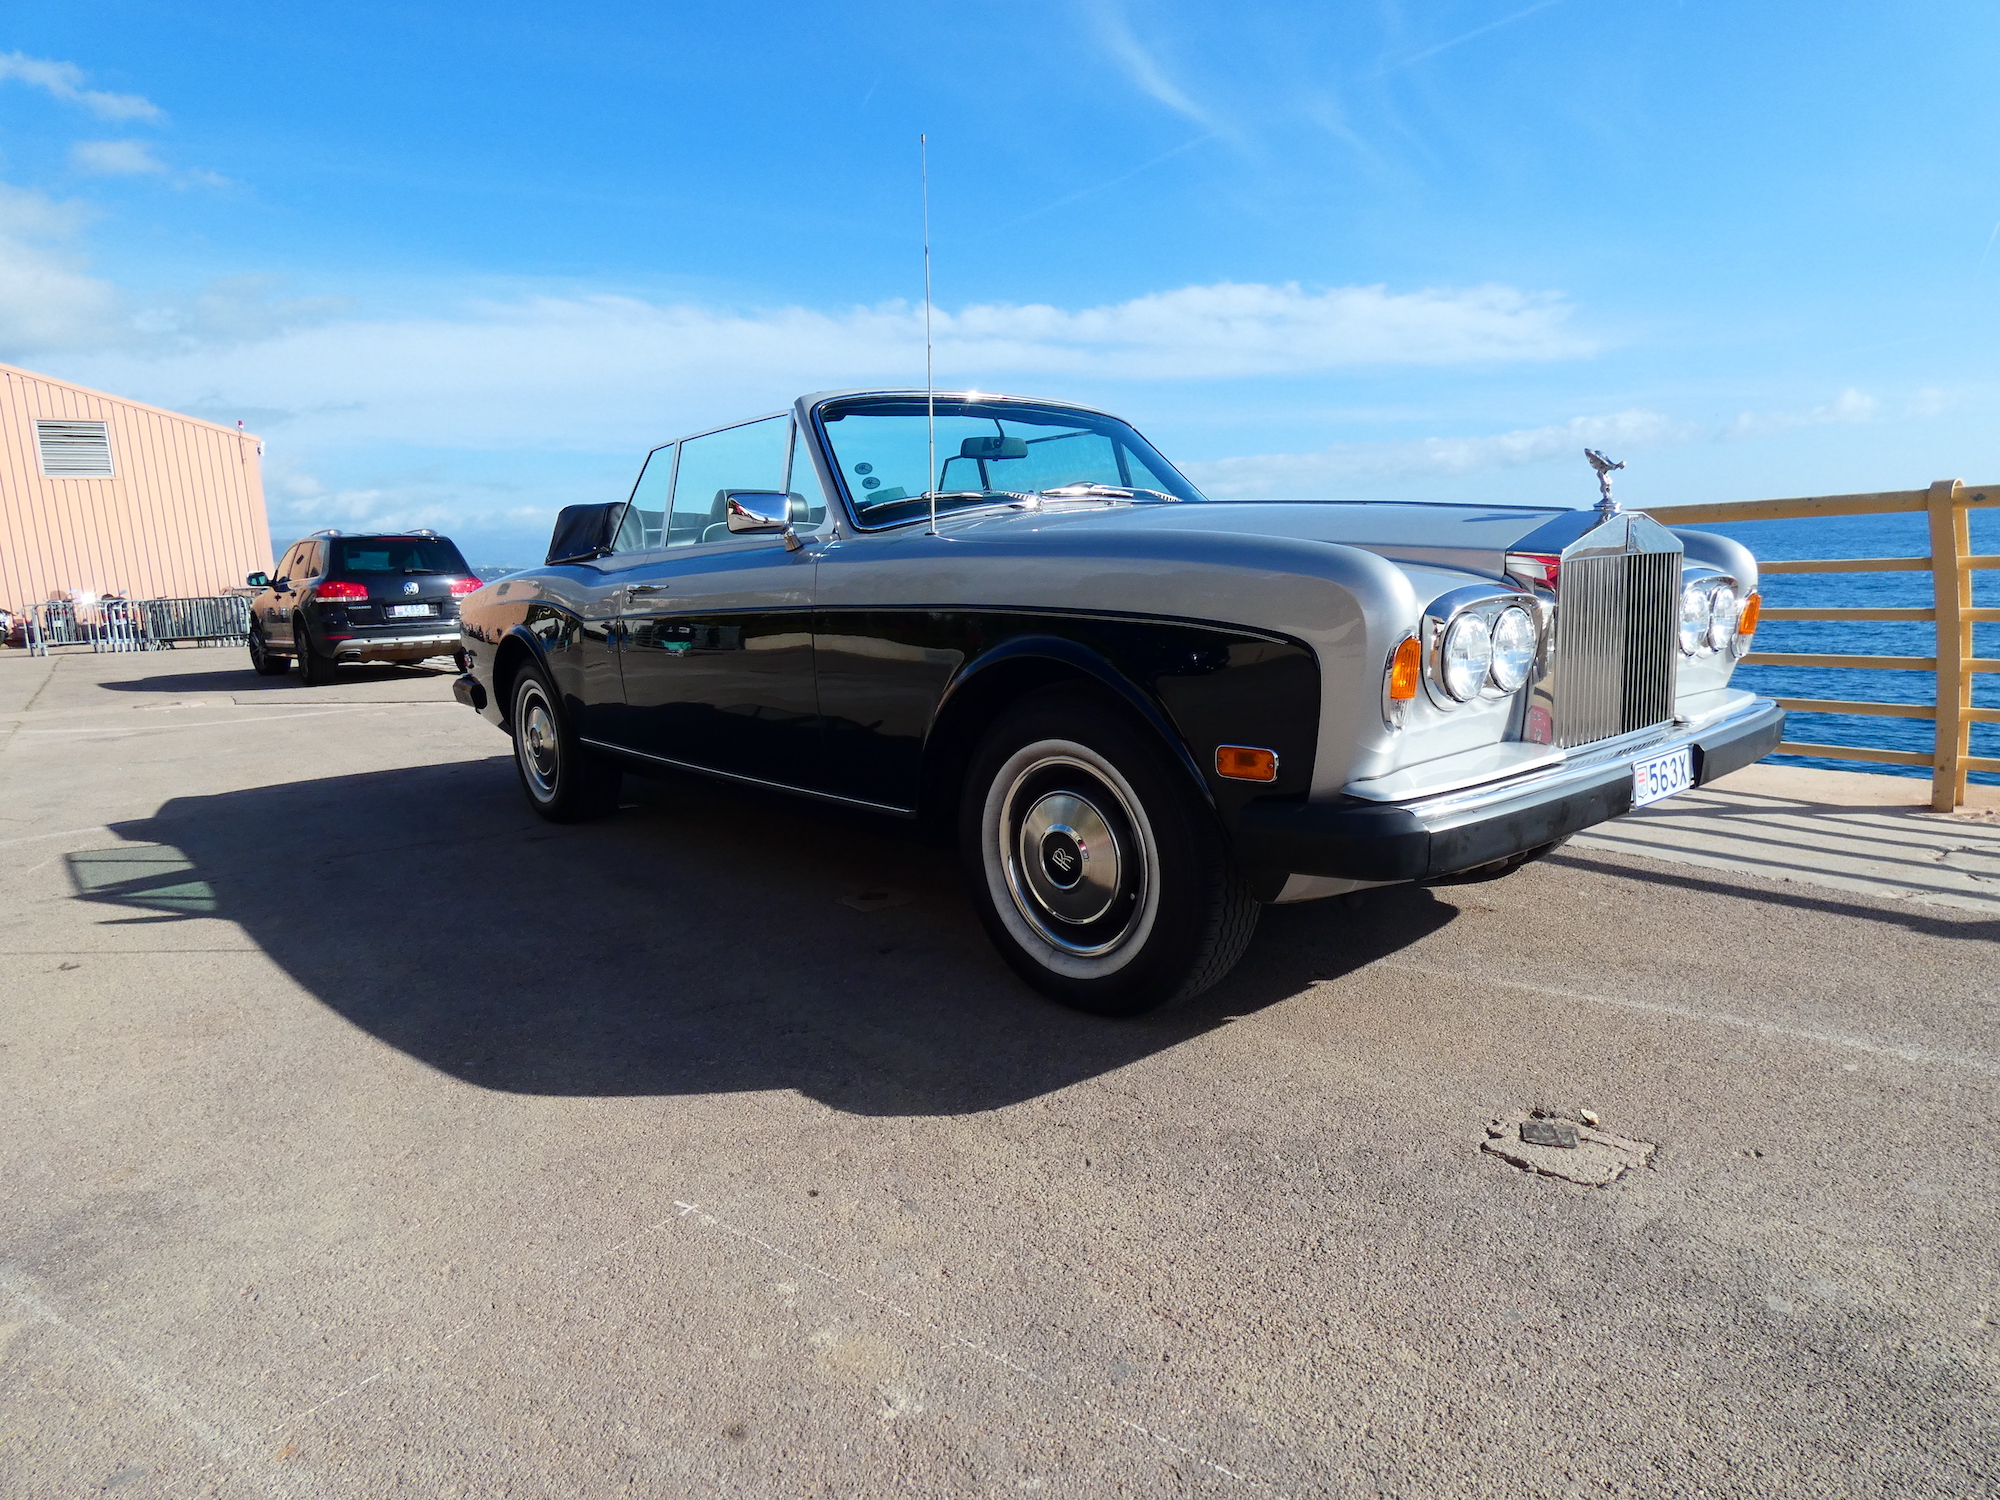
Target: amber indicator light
{"type": "Point", "coordinates": [1746, 623]}
{"type": "Point", "coordinates": [1403, 669]}
{"type": "Point", "coordinates": [1246, 763]}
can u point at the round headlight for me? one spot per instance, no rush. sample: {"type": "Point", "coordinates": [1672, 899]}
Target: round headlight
{"type": "Point", "coordinates": [1513, 648]}
{"type": "Point", "coordinates": [1467, 656]}
{"type": "Point", "coordinates": [1694, 618]}
{"type": "Point", "coordinates": [1723, 609]}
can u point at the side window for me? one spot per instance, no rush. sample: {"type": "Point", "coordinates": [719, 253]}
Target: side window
{"type": "Point", "coordinates": [750, 457]}
{"type": "Point", "coordinates": [288, 565]}
{"type": "Point", "coordinates": [645, 522]}
{"type": "Point", "coordinates": [312, 559]}
{"type": "Point", "coordinates": [808, 498]}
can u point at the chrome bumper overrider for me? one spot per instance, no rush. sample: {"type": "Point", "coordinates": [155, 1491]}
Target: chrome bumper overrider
{"type": "Point", "coordinates": [1461, 830]}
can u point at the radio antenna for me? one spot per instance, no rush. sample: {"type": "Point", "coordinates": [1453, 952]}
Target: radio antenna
{"type": "Point", "coordinates": [930, 384]}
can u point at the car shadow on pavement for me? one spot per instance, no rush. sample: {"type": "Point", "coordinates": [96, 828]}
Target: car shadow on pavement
{"type": "Point", "coordinates": [243, 680]}
{"type": "Point", "coordinates": [701, 940]}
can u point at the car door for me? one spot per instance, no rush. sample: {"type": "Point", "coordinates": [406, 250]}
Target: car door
{"type": "Point", "coordinates": [716, 633]}
{"type": "Point", "coordinates": [282, 597]}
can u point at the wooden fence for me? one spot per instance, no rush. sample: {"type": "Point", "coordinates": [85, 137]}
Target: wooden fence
{"type": "Point", "coordinates": [1948, 505]}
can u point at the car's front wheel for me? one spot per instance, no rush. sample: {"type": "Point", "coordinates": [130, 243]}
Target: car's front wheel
{"type": "Point", "coordinates": [564, 780]}
{"type": "Point", "coordinates": [1099, 873]}
{"type": "Point", "coordinates": [261, 659]}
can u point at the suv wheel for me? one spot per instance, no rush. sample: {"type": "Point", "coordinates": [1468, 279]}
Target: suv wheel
{"type": "Point", "coordinates": [261, 659]}
{"type": "Point", "coordinates": [1100, 876]}
{"type": "Point", "coordinates": [564, 780]}
{"type": "Point", "coordinates": [314, 670]}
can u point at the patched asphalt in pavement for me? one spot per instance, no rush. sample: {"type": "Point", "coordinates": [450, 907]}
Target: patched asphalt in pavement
{"type": "Point", "coordinates": [366, 1137]}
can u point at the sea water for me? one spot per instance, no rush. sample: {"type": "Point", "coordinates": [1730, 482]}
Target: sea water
{"type": "Point", "coordinates": [1905, 535]}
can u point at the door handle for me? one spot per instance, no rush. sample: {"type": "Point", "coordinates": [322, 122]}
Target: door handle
{"type": "Point", "coordinates": [635, 589]}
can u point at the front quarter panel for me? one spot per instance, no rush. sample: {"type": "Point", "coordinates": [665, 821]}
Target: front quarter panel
{"type": "Point", "coordinates": [559, 617]}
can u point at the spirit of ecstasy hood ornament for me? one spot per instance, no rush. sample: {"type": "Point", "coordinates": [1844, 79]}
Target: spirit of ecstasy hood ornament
{"type": "Point", "coordinates": [1606, 507]}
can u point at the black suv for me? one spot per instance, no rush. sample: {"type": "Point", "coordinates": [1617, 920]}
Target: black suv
{"type": "Point", "coordinates": [338, 598]}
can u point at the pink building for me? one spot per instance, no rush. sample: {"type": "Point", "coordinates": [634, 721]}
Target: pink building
{"type": "Point", "coordinates": [103, 495]}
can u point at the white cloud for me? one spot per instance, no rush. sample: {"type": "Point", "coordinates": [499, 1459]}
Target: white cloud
{"type": "Point", "coordinates": [1308, 476]}
{"type": "Point", "coordinates": [585, 372]}
{"type": "Point", "coordinates": [114, 158]}
{"type": "Point", "coordinates": [135, 159]}
{"type": "Point", "coordinates": [1846, 409]}
{"type": "Point", "coordinates": [51, 304]}
{"type": "Point", "coordinates": [1114, 31]}
{"type": "Point", "coordinates": [64, 81]}
{"type": "Point", "coordinates": [48, 299]}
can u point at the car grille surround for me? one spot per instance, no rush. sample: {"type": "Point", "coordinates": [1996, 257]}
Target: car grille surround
{"type": "Point", "coordinates": [1616, 657]}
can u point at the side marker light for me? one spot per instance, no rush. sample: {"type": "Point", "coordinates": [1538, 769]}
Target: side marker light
{"type": "Point", "coordinates": [1746, 622]}
{"type": "Point", "coordinates": [1246, 763]}
{"type": "Point", "coordinates": [1404, 668]}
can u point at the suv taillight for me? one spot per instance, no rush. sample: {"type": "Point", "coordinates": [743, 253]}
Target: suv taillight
{"type": "Point", "coordinates": [463, 586]}
{"type": "Point", "coordinates": [334, 589]}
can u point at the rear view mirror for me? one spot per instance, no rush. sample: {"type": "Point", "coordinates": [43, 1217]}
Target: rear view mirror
{"type": "Point", "coordinates": [584, 532]}
{"type": "Point", "coordinates": [993, 447]}
{"type": "Point", "coordinates": [259, 580]}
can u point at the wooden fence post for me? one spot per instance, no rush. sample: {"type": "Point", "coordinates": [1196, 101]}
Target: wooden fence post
{"type": "Point", "coordinates": [1950, 546]}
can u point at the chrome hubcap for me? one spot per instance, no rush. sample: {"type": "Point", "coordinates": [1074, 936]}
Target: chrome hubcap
{"type": "Point", "coordinates": [1069, 857]}
{"type": "Point", "coordinates": [1073, 861]}
{"type": "Point", "coordinates": [540, 757]}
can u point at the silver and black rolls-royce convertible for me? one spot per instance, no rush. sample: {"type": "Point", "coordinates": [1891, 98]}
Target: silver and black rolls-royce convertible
{"type": "Point", "coordinates": [1142, 713]}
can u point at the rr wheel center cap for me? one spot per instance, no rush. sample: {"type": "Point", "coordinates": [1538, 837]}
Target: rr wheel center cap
{"type": "Point", "coordinates": [1069, 858]}
{"type": "Point", "coordinates": [1063, 858]}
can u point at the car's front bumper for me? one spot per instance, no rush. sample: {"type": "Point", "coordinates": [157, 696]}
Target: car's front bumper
{"type": "Point", "coordinates": [1353, 839]}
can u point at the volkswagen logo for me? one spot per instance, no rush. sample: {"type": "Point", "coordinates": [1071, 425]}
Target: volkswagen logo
{"type": "Point", "coordinates": [410, 587]}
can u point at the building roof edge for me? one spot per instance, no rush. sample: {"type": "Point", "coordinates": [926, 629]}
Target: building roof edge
{"type": "Point", "coordinates": [178, 416]}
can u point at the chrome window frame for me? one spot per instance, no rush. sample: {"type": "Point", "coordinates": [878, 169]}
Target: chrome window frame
{"type": "Point", "coordinates": [846, 498]}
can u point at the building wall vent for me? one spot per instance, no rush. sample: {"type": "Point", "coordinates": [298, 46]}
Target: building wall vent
{"type": "Point", "coordinates": [74, 450]}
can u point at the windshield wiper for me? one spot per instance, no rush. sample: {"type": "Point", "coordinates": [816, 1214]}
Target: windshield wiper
{"type": "Point", "coordinates": [1015, 496]}
{"type": "Point", "coordinates": [1083, 490]}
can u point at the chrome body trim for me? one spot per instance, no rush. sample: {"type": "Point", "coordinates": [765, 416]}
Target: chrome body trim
{"type": "Point", "coordinates": [775, 786]}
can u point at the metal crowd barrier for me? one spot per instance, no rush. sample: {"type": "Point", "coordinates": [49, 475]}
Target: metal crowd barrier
{"type": "Point", "coordinates": [137, 624]}
{"type": "Point", "coordinates": [220, 621]}
{"type": "Point", "coordinates": [120, 626]}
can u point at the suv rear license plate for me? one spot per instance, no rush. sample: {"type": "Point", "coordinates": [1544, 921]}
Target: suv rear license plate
{"type": "Point", "coordinates": [1662, 776]}
{"type": "Point", "coordinates": [411, 611]}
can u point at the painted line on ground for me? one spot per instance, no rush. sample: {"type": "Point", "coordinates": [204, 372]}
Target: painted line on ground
{"type": "Point", "coordinates": [1907, 1052]}
{"type": "Point", "coordinates": [225, 1438]}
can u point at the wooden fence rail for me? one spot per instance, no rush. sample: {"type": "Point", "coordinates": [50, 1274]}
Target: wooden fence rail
{"type": "Point", "coordinates": [1948, 505]}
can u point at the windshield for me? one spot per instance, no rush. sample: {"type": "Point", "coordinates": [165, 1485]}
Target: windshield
{"type": "Point", "coordinates": [397, 554]}
{"type": "Point", "coordinates": [987, 451]}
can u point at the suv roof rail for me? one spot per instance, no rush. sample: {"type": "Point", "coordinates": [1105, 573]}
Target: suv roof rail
{"type": "Point", "coordinates": [421, 531]}
{"type": "Point", "coordinates": [327, 531]}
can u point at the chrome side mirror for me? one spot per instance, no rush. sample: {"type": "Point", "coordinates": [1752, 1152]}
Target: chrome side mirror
{"type": "Point", "coordinates": [761, 512]}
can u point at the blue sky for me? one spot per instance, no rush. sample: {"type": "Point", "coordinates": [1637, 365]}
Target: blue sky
{"type": "Point", "coordinates": [461, 265]}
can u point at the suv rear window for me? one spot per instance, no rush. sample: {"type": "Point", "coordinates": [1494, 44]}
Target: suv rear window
{"type": "Point", "coordinates": [397, 554]}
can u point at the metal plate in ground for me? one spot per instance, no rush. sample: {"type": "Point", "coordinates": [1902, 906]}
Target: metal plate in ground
{"type": "Point", "coordinates": [1597, 1158]}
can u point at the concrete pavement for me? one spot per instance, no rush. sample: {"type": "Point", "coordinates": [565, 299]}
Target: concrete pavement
{"type": "Point", "coordinates": [365, 1136]}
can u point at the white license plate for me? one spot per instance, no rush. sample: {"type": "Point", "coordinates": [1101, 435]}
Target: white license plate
{"type": "Point", "coordinates": [1662, 776]}
{"type": "Point", "coordinates": [409, 611]}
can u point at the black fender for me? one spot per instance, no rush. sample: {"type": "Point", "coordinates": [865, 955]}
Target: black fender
{"type": "Point", "coordinates": [996, 677]}
{"type": "Point", "coordinates": [1195, 685]}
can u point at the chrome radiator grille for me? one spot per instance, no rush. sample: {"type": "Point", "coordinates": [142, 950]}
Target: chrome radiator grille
{"type": "Point", "coordinates": [1615, 656]}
